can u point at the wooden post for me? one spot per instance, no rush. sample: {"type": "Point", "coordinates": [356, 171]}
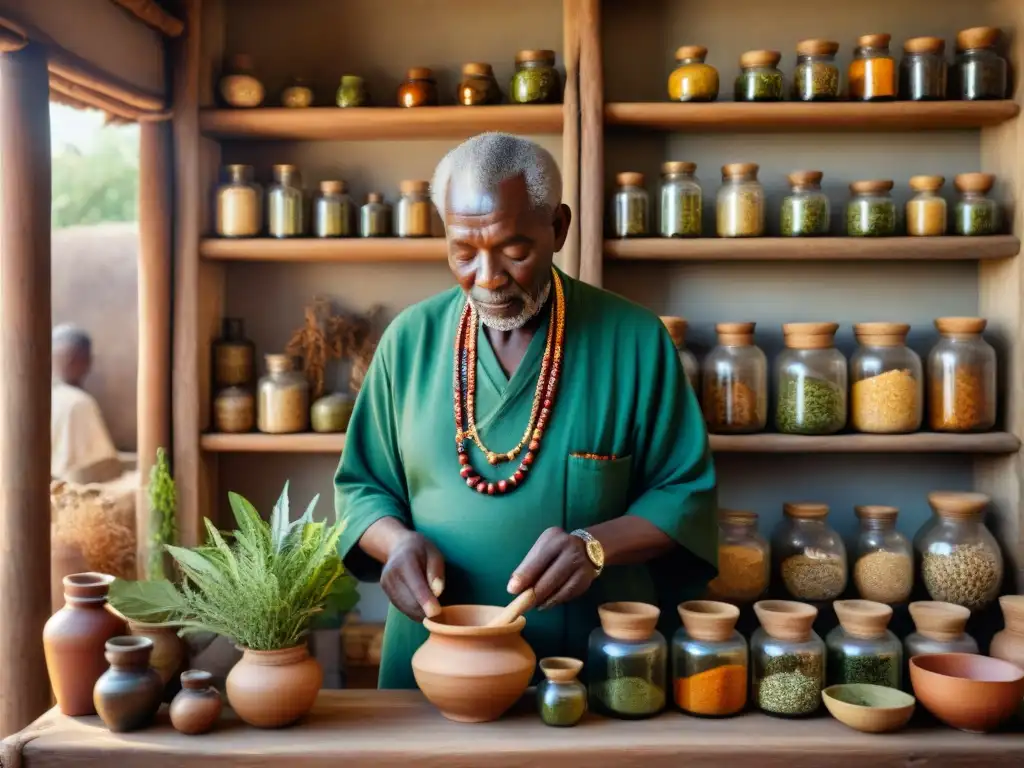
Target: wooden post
{"type": "Point", "coordinates": [591, 96]}
{"type": "Point", "coordinates": [569, 257]}
{"type": "Point", "coordinates": [24, 395]}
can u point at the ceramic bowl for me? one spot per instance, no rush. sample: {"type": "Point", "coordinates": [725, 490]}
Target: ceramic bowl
{"type": "Point", "coordinates": [869, 708]}
{"type": "Point", "coordinates": [969, 692]}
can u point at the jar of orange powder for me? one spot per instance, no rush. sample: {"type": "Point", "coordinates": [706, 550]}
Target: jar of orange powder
{"type": "Point", "coordinates": [709, 660]}
{"type": "Point", "coordinates": [873, 70]}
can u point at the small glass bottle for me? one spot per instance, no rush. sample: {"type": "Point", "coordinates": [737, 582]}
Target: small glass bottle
{"type": "Point", "coordinates": [561, 698]}
{"type": "Point", "coordinates": [676, 327]}
{"type": "Point", "coordinates": [923, 69]}
{"type": "Point", "coordinates": [975, 214]}
{"type": "Point", "coordinates": [681, 200]}
{"type": "Point", "coordinates": [938, 628]}
{"type": "Point", "coordinates": [735, 377]}
{"type": "Point", "coordinates": [873, 70]}
{"type": "Point", "coordinates": [816, 77]}
{"type": "Point", "coordinates": [883, 568]}
{"type": "Point", "coordinates": [536, 81]}
{"type": "Point", "coordinates": [419, 88]}
{"type": "Point", "coordinates": [297, 95]}
{"type": "Point", "coordinates": [887, 381]}
{"type": "Point", "coordinates": [810, 381]}
{"type": "Point", "coordinates": [740, 204]}
{"type": "Point", "coordinates": [234, 410]}
{"type": "Point", "coordinates": [631, 206]}
{"type": "Point", "coordinates": [283, 404]}
{"type": "Point", "coordinates": [744, 559]}
{"type": "Point", "coordinates": [351, 92]}
{"type": "Point", "coordinates": [862, 649]}
{"type": "Point", "coordinates": [333, 213]}
{"type": "Point", "coordinates": [960, 559]}
{"type": "Point", "coordinates": [375, 217]}
{"type": "Point", "coordinates": [760, 78]}
{"type": "Point", "coordinates": [238, 203]}
{"type": "Point", "coordinates": [787, 659]}
{"type": "Point", "coordinates": [805, 211]}
{"type": "Point", "coordinates": [413, 212]}
{"type": "Point", "coordinates": [962, 377]}
{"type": "Point", "coordinates": [709, 660]}
{"type": "Point", "coordinates": [871, 211]}
{"type": "Point", "coordinates": [979, 71]}
{"type": "Point", "coordinates": [478, 86]}
{"type": "Point", "coordinates": [627, 662]}
{"type": "Point", "coordinates": [233, 355]}
{"type": "Point", "coordinates": [926, 210]}
{"type": "Point", "coordinates": [286, 204]}
{"type": "Point", "coordinates": [810, 555]}
{"type": "Point", "coordinates": [692, 79]}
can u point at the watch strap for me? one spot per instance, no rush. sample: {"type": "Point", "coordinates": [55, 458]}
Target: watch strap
{"type": "Point", "coordinates": [589, 540]}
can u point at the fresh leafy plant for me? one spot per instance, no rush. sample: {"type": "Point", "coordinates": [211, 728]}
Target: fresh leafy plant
{"type": "Point", "coordinates": [163, 510]}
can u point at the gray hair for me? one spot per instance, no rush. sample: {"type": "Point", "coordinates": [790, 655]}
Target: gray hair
{"type": "Point", "coordinates": [67, 337]}
{"type": "Point", "coordinates": [488, 159]}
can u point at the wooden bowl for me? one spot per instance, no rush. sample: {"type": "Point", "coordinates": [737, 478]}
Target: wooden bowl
{"type": "Point", "coordinates": [969, 692]}
{"type": "Point", "coordinates": [869, 708]}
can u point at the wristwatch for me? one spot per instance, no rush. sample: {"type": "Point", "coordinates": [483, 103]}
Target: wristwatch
{"type": "Point", "coordinates": [595, 552]}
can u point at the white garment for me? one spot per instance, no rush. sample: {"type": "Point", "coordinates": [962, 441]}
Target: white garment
{"type": "Point", "coordinates": [78, 434]}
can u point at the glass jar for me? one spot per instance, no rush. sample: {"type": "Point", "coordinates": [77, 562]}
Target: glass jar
{"type": "Point", "coordinates": [962, 377]}
{"type": "Point", "coordinates": [631, 206]}
{"type": "Point", "coordinates": [375, 217]}
{"type": "Point", "coordinates": [871, 211]}
{"type": "Point", "coordinates": [975, 214]}
{"type": "Point", "coordinates": [333, 212]}
{"type": "Point", "coordinates": [735, 377]}
{"type": "Point", "coordinates": [297, 95]}
{"type": "Point", "coordinates": [238, 203]}
{"type": "Point", "coordinates": [979, 72]}
{"type": "Point", "coordinates": [811, 556]}
{"type": "Point", "coordinates": [862, 649]}
{"type": "Point", "coordinates": [805, 211]}
{"type": "Point", "coordinates": [873, 70]}
{"type": "Point", "coordinates": [286, 214]}
{"type": "Point", "coordinates": [810, 381]}
{"type": "Point", "coordinates": [681, 200]}
{"type": "Point", "coordinates": [744, 559]}
{"type": "Point", "coordinates": [883, 568]}
{"type": "Point", "coordinates": [478, 86]}
{"type": "Point", "coordinates": [283, 406]}
{"type": "Point", "coordinates": [419, 88]}
{"type": "Point", "coordinates": [787, 659]}
{"type": "Point", "coordinates": [561, 698]}
{"type": "Point", "coordinates": [816, 77]}
{"type": "Point", "coordinates": [233, 355]}
{"type": "Point", "coordinates": [760, 78]}
{"type": "Point", "coordinates": [923, 69]}
{"type": "Point", "coordinates": [692, 79]}
{"type": "Point", "coordinates": [676, 327]}
{"type": "Point", "coordinates": [709, 660]}
{"type": "Point", "coordinates": [331, 413]}
{"type": "Point", "coordinates": [536, 81]}
{"type": "Point", "coordinates": [926, 210]}
{"type": "Point", "coordinates": [887, 381]}
{"type": "Point", "coordinates": [961, 562]}
{"type": "Point", "coordinates": [939, 628]}
{"type": "Point", "coordinates": [627, 662]}
{"type": "Point", "coordinates": [234, 410]}
{"type": "Point", "coordinates": [352, 92]}
{"type": "Point", "coordinates": [239, 87]}
{"type": "Point", "coordinates": [740, 202]}
{"type": "Point", "coordinates": [413, 214]}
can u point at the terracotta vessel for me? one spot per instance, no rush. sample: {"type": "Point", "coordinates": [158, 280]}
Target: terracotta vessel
{"type": "Point", "coordinates": [272, 689]}
{"type": "Point", "coordinates": [1008, 645]}
{"type": "Point", "coordinates": [633, 622]}
{"type": "Point", "coordinates": [169, 653]}
{"type": "Point", "coordinates": [869, 708]}
{"type": "Point", "coordinates": [197, 706]}
{"type": "Point", "coordinates": [786, 619]}
{"type": "Point", "coordinates": [470, 672]}
{"type": "Point", "coordinates": [128, 694]}
{"type": "Point", "coordinates": [966, 691]}
{"type": "Point", "coordinates": [74, 640]}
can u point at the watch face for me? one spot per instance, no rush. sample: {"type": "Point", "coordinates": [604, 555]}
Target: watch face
{"type": "Point", "coordinates": [596, 553]}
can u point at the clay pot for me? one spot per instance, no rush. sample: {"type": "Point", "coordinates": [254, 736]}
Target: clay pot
{"type": "Point", "coordinates": [634, 622]}
{"type": "Point", "coordinates": [272, 689]}
{"type": "Point", "coordinates": [128, 694]}
{"type": "Point", "coordinates": [786, 619]}
{"type": "Point", "coordinates": [470, 672]}
{"type": "Point", "coordinates": [1008, 645]}
{"type": "Point", "coordinates": [965, 691]}
{"type": "Point", "coordinates": [74, 639]}
{"type": "Point", "coordinates": [708, 620]}
{"type": "Point", "coordinates": [169, 653]}
{"type": "Point", "coordinates": [865, 619]}
{"type": "Point", "coordinates": [197, 706]}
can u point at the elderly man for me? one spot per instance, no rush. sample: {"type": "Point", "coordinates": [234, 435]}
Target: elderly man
{"type": "Point", "coordinates": [522, 429]}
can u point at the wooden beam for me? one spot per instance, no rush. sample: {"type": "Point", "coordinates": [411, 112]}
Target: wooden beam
{"type": "Point", "coordinates": [591, 75]}
{"type": "Point", "coordinates": [569, 257]}
{"type": "Point", "coordinates": [151, 14]}
{"type": "Point", "coordinates": [24, 397]}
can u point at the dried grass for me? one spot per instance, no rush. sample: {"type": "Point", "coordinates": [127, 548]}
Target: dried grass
{"type": "Point", "coordinates": [99, 522]}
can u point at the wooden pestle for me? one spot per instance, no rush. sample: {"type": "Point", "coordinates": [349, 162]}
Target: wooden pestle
{"type": "Point", "coordinates": [515, 609]}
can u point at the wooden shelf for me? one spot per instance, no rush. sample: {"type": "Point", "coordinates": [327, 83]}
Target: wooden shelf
{"type": "Point", "coordinates": [813, 248]}
{"type": "Point", "coordinates": [798, 116]}
{"type": "Point", "coordinates": [252, 442]}
{"type": "Point", "coordinates": [375, 123]}
{"type": "Point", "coordinates": [347, 249]}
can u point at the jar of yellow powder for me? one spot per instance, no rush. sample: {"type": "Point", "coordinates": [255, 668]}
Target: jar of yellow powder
{"type": "Point", "coordinates": [744, 559]}
{"type": "Point", "coordinates": [962, 377]}
{"type": "Point", "coordinates": [887, 389]}
{"type": "Point", "coordinates": [926, 210]}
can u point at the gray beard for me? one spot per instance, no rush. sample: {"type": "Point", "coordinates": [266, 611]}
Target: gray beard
{"type": "Point", "coordinates": [532, 305]}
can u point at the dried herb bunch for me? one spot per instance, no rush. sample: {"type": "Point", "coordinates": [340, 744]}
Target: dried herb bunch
{"type": "Point", "coordinates": [99, 523]}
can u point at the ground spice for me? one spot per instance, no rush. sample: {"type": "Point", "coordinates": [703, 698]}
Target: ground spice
{"type": "Point", "coordinates": [885, 577]}
{"type": "Point", "coordinates": [975, 218]}
{"type": "Point", "coordinates": [888, 403]}
{"type": "Point", "coordinates": [719, 691]}
{"type": "Point", "coordinates": [741, 214]}
{"type": "Point", "coordinates": [872, 78]}
{"type": "Point", "coordinates": [926, 218]}
{"type": "Point", "coordinates": [967, 575]}
{"type": "Point", "coordinates": [804, 215]}
{"type": "Point", "coordinates": [789, 693]}
{"type": "Point", "coordinates": [870, 219]}
{"type": "Point", "coordinates": [631, 696]}
{"type": "Point", "coordinates": [681, 214]}
{"type": "Point", "coordinates": [816, 81]}
{"type": "Point", "coordinates": [562, 710]}
{"type": "Point", "coordinates": [821, 577]}
{"type": "Point", "coordinates": [809, 406]}
{"type": "Point", "coordinates": [741, 573]}
{"type": "Point", "coordinates": [872, 669]}
{"type": "Point", "coordinates": [730, 405]}
{"type": "Point", "coordinates": [759, 86]}
{"type": "Point", "coordinates": [960, 405]}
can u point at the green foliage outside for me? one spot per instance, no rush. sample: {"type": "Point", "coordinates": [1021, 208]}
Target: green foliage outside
{"type": "Point", "coordinates": [163, 510]}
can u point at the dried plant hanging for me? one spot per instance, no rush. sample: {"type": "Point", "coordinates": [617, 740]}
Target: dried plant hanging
{"type": "Point", "coordinates": [363, 348]}
{"type": "Point", "coordinates": [311, 343]}
{"type": "Point", "coordinates": [98, 522]}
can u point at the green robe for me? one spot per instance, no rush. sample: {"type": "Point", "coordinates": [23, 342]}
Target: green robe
{"type": "Point", "coordinates": [622, 392]}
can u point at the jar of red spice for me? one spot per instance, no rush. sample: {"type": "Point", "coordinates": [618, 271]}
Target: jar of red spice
{"type": "Point", "coordinates": [709, 660]}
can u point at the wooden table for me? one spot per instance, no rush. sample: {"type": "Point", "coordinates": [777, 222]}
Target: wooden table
{"type": "Point", "coordinates": [398, 728]}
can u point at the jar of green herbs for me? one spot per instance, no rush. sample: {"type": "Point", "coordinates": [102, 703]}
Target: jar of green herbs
{"type": "Point", "coordinates": [862, 649]}
{"type": "Point", "coordinates": [561, 698]}
{"type": "Point", "coordinates": [975, 213]}
{"type": "Point", "coordinates": [631, 206]}
{"type": "Point", "coordinates": [681, 200]}
{"type": "Point", "coordinates": [627, 662]}
{"type": "Point", "coordinates": [810, 381]}
{"type": "Point", "coordinates": [760, 78]}
{"type": "Point", "coordinates": [980, 72]}
{"type": "Point", "coordinates": [923, 69]}
{"type": "Point", "coordinates": [816, 77]}
{"type": "Point", "coordinates": [805, 210]}
{"type": "Point", "coordinates": [871, 211]}
{"type": "Point", "coordinates": [787, 659]}
{"type": "Point", "coordinates": [536, 81]}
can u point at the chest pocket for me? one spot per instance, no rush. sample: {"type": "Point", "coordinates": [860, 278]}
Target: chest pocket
{"type": "Point", "coordinates": [596, 490]}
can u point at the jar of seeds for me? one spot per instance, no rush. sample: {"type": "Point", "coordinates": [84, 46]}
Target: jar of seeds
{"type": "Point", "coordinates": [692, 79]}
{"type": "Point", "coordinates": [975, 214]}
{"type": "Point", "coordinates": [676, 327]}
{"type": "Point", "coordinates": [413, 213]}
{"type": "Point", "coordinates": [744, 559]}
{"type": "Point", "coordinates": [375, 217]}
{"type": "Point", "coordinates": [333, 212]}
{"type": "Point", "coordinates": [561, 698]}
{"type": "Point", "coordinates": [286, 203]}
{"type": "Point", "coordinates": [283, 401]}
{"type": "Point", "coordinates": [887, 390]}
{"type": "Point", "coordinates": [239, 203]}
{"type": "Point", "coordinates": [960, 559]}
{"type": "Point", "coordinates": [627, 662]}
{"type": "Point", "coordinates": [810, 555]}
{"type": "Point", "coordinates": [871, 211]}
{"type": "Point", "coordinates": [979, 71]}
{"type": "Point", "coordinates": [873, 70]}
{"type": "Point", "coordinates": [938, 628]}
{"type": "Point", "coordinates": [709, 660]}
{"type": "Point", "coordinates": [923, 69]}
{"type": "Point", "coordinates": [631, 205]}
{"type": "Point", "coordinates": [816, 77]}
{"type": "Point", "coordinates": [883, 568]}
{"type": "Point", "coordinates": [926, 210]}
{"type": "Point", "coordinates": [787, 659]}
{"type": "Point", "coordinates": [740, 202]}
{"type": "Point", "coordinates": [805, 211]}
{"type": "Point", "coordinates": [536, 81]}
{"type": "Point", "coordinates": [962, 377]}
{"type": "Point", "coordinates": [760, 78]}
{"type": "Point", "coordinates": [862, 649]}
{"type": "Point", "coordinates": [681, 200]}
{"type": "Point", "coordinates": [735, 374]}
{"type": "Point", "coordinates": [810, 381]}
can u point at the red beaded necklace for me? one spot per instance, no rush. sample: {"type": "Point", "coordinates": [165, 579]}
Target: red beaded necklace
{"type": "Point", "coordinates": [464, 390]}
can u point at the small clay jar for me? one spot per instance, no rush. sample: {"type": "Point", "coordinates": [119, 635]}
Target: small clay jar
{"type": "Point", "coordinates": [331, 413]}
{"type": "Point", "coordinates": [234, 410]}
{"type": "Point", "coordinates": [169, 652]}
{"type": "Point", "coordinates": [1008, 645]}
{"type": "Point", "coordinates": [478, 86]}
{"type": "Point", "coordinates": [419, 88]}
{"type": "Point", "coordinates": [128, 694]}
{"type": "Point", "coordinates": [352, 92]}
{"type": "Point", "coordinates": [561, 698]}
{"type": "Point", "coordinates": [298, 94]}
{"type": "Point", "coordinates": [239, 86]}
{"type": "Point", "coordinates": [197, 707]}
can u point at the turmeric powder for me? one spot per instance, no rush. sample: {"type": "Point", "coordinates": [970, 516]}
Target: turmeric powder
{"type": "Point", "coordinates": [716, 692]}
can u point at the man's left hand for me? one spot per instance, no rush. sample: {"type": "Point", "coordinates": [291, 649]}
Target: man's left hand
{"type": "Point", "coordinates": [557, 567]}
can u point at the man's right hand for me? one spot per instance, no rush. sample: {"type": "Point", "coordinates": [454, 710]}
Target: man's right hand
{"type": "Point", "coordinates": [413, 576]}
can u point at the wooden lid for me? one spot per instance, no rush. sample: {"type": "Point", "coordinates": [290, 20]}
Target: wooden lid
{"type": "Point", "coordinates": [628, 621]}
{"type": "Point", "coordinates": [809, 335]}
{"type": "Point", "coordinates": [375, 197]}
{"type": "Point", "coordinates": [805, 510]}
{"type": "Point", "coordinates": [805, 178]}
{"type": "Point", "coordinates": [278, 363]}
{"type": "Point", "coordinates": [735, 334]}
{"type": "Point", "coordinates": [676, 329]}
{"type": "Point", "coordinates": [419, 73]}
{"type": "Point", "coordinates": [927, 183]}
{"type": "Point", "coordinates": [939, 621]}
{"type": "Point", "coordinates": [786, 619]}
{"type": "Point", "coordinates": [881, 334]}
{"type": "Point", "coordinates": [1012, 607]}
{"type": "Point", "coordinates": [737, 517]}
{"type": "Point", "coordinates": [739, 169]}
{"type": "Point", "coordinates": [977, 37]}
{"type": "Point", "coordinates": [958, 505]}
{"type": "Point", "coordinates": [871, 186]}
{"type": "Point", "coordinates": [280, 169]}
{"type": "Point", "coordinates": [678, 166]}
{"type": "Point", "coordinates": [876, 512]}
{"type": "Point", "coordinates": [412, 185]}
{"type": "Point", "coordinates": [974, 182]}
{"type": "Point", "coordinates": [879, 40]}
{"type": "Point", "coordinates": [333, 187]}
{"type": "Point", "coordinates": [760, 59]}
{"type": "Point", "coordinates": [560, 669]}
{"type": "Point", "coordinates": [925, 45]}
{"type": "Point", "coordinates": [960, 326]}
{"type": "Point", "coordinates": [538, 55]}
{"type": "Point", "coordinates": [477, 68]}
{"type": "Point", "coordinates": [691, 52]}
{"type": "Point", "coordinates": [863, 618]}
{"type": "Point", "coordinates": [629, 179]}
{"type": "Point", "coordinates": [817, 47]}
{"type": "Point", "coordinates": [708, 619]}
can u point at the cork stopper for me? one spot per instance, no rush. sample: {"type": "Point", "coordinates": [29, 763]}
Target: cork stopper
{"type": "Point", "coordinates": [735, 334]}
{"type": "Point", "coordinates": [738, 170]}
{"type": "Point", "coordinates": [879, 40]}
{"type": "Point", "coordinates": [817, 47]}
{"type": "Point", "coordinates": [939, 621]}
{"type": "Point", "coordinates": [977, 37]}
{"type": "Point", "coordinates": [805, 510]}
{"type": "Point", "coordinates": [691, 52]}
{"type": "Point", "coordinates": [980, 183]}
{"type": "Point", "coordinates": [196, 679]}
{"type": "Point", "coordinates": [419, 73]}
{"type": "Point", "coordinates": [629, 179]}
{"type": "Point", "coordinates": [481, 68]}
{"type": "Point", "coordinates": [786, 619]}
{"type": "Point", "coordinates": [925, 45]}
{"type": "Point", "coordinates": [960, 326]}
{"type": "Point", "coordinates": [871, 186]}
{"type": "Point", "coordinates": [752, 59]}
{"type": "Point", "coordinates": [708, 619]}
{"type": "Point", "coordinates": [285, 172]}
{"type": "Point", "coordinates": [560, 669]}
{"type": "Point", "coordinates": [876, 512]}
{"type": "Point", "coordinates": [805, 178]}
{"type": "Point", "coordinates": [881, 334]}
{"type": "Point", "coordinates": [543, 56]}
{"type": "Point", "coordinates": [678, 166]}
{"type": "Point", "coordinates": [1013, 612]}
{"type": "Point", "coordinates": [333, 187]}
{"type": "Point", "coordinates": [809, 335]}
{"type": "Point", "coordinates": [737, 517]}
{"type": "Point", "coordinates": [633, 622]}
{"type": "Point", "coordinates": [863, 618]}
{"type": "Point", "coordinates": [375, 197]}
{"type": "Point", "coordinates": [676, 327]}
{"type": "Point", "coordinates": [278, 363]}
{"type": "Point", "coordinates": [927, 183]}
{"type": "Point", "coordinates": [956, 505]}
{"type": "Point", "coordinates": [408, 186]}
{"type": "Point", "coordinates": [239, 172]}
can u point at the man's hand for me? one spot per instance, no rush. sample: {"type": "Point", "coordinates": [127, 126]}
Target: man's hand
{"type": "Point", "coordinates": [413, 576]}
{"type": "Point", "coordinates": [557, 567]}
